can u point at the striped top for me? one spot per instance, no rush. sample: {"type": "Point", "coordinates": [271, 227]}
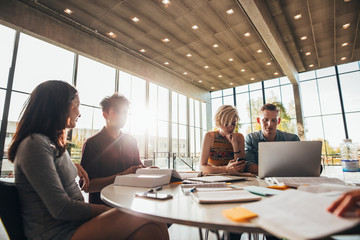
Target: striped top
{"type": "Point", "coordinates": [221, 151]}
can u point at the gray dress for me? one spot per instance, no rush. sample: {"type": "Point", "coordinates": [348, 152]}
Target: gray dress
{"type": "Point", "coordinates": [51, 202]}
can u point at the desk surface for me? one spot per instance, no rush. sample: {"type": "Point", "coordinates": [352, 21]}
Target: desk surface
{"type": "Point", "coordinates": [182, 209]}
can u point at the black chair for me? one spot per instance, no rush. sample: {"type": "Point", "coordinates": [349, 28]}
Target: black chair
{"type": "Point", "coordinates": [10, 212]}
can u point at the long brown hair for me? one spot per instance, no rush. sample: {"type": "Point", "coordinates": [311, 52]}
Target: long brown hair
{"type": "Point", "coordinates": [45, 112]}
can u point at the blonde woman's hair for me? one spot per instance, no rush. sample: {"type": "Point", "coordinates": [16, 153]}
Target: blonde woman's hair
{"type": "Point", "coordinates": [225, 114]}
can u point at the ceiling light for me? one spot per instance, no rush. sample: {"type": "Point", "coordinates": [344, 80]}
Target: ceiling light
{"type": "Point", "coordinates": [230, 11]}
{"type": "Point", "coordinates": [231, 83]}
{"type": "Point", "coordinates": [220, 76]}
{"type": "Point", "coordinates": [185, 73]}
{"type": "Point", "coordinates": [276, 73]}
{"type": "Point", "coordinates": [111, 34]}
{"type": "Point", "coordinates": [215, 45]}
{"type": "Point", "coordinates": [68, 11]}
{"type": "Point", "coordinates": [343, 58]}
{"type": "Point", "coordinates": [344, 44]}
{"type": "Point", "coordinates": [165, 2]}
{"type": "Point", "coordinates": [311, 65]}
{"type": "Point", "coordinates": [206, 67]}
{"type": "Point", "coordinates": [135, 19]}
{"type": "Point", "coordinates": [308, 53]}
{"type": "Point", "coordinates": [142, 50]}
{"type": "Point", "coordinates": [347, 25]}
{"type": "Point", "coordinates": [247, 34]}
{"type": "Point", "coordinates": [188, 55]}
{"type": "Point", "coordinates": [243, 70]}
{"type": "Point", "coordinates": [252, 79]}
{"type": "Point", "coordinates": [231, 60]}
{"type": "Point", "coordinates": [297, 17]}
{"type": "Point", "coordinates": [199, 81]}
{"type": "Point", "coordinates": [165, 40]}
{"type": "Point", "coordinates": [259, 51]}
{"type": "Point", "coordinates": [268, 64]}
{"type": "Point", "coordinates": [303, 38]}
{"type": "Point", "coordinates": [212, 87]}
{"type": "Point", "coordinates": [166, 63]}
{"type": "Point", "coordinates": [195, 27]}
{"type": "Point", "coordinates": [346, 0]}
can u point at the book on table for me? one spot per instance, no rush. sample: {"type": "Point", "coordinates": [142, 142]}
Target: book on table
{"type": "Point", "coordinates": [225, 196]}
{"type": "Point", "coordinates": [148, 177]}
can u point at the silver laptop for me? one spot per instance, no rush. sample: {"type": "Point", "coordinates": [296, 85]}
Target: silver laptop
{"type": "Point", "coordinates": [289, 159]}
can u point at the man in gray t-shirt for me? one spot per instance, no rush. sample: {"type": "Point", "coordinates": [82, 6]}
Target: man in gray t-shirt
{"type": "Point", "coordinates": [269, 120]}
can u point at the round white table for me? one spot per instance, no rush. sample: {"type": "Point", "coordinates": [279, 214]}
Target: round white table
{"type": "Point", "coordinates": [181, 209]}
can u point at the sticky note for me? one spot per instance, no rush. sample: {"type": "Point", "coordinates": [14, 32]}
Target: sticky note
{"type": "Point", "coordinates": [239, 214]}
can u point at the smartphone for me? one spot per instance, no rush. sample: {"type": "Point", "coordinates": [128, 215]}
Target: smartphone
{"type": "Point", "coordinates": [159, 196]}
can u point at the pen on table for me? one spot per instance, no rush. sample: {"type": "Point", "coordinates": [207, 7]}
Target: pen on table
{"type": "Point", "coordinates": [193, 189]}
{"type": "Point", "coordinates": [155, 189]}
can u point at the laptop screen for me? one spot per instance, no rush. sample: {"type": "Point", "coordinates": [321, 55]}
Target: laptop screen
{"type": "Point", "coordinates": [290, 159]}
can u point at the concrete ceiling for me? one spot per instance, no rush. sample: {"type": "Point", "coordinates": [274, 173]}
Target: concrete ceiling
{"type": "Point", "coordinates": [237, 59]}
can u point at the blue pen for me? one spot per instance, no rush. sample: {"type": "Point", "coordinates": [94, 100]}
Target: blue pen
{"type": "Point", "coordinates": [193, 189]}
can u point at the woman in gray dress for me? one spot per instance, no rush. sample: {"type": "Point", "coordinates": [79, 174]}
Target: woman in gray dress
{"type": "Point", "coordinates": [52, 205]}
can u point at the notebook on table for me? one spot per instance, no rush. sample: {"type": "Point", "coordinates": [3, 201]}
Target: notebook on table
{"type": "Point", "coordinates": [218, 178]}
{"type": "Point", "coordinates": [289, 159]}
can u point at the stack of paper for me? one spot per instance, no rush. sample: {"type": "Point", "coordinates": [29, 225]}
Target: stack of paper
{"type": "Point", "coordinates": [224, 196]}
{"type": "Point", "coordinates": [299, 215]}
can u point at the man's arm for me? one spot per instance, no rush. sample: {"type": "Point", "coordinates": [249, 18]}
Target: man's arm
{"type": "Point", "coordinates": [251, 152]}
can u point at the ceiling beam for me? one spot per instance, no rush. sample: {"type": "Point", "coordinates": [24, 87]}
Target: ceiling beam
{"type": "Point", "coordinates": [264, 24]}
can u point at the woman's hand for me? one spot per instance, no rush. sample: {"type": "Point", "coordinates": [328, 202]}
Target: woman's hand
{"type": "Point", "coordinates": [347, 202]}
{"type": "Point", "coordinates": [84, 178]}
{"type": "Point", "coordinates": [234, 167]}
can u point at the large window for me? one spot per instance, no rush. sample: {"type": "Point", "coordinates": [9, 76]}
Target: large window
{"type": "Point", "coordinates": [321, 105]}
{"type": "Point", "coordinates": [159, 125]}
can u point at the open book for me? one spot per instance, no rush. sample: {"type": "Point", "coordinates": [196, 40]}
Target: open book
{"type": "Point", "coordinates": [295, 214]}
{"type": "Point", "coordinates": [148, 177]}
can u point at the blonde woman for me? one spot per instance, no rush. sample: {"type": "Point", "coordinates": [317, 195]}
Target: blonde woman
{"type": "Point", "coordinates": [222, 148]}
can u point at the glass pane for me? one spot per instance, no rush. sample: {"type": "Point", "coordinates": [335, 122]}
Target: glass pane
{"type": "Point", "coordinates": [243, 107]}
{"type": "Point", "coordinates": [95, 81]}
{"type": "Point", "coordinates": [197, 141]}
{"type": "Point", "coordinates": [182, 109]}
{"type": "Point", "coordinates": [348, 67]}
{"type": "Point", "coordinates": [215, 104]}
{"type": "Point", "coordinates": [334, 132]}
{"type": "Point", "coordinates": [192, 141]}
{"type": "Point", "coordinates": [163, 136]}
{"type": "Point", "coordinates": [216, 94]}
{"type": "Point", "coordinates": [228, 91]}
{"type": "Point", "coordinates": [204, 116]}
{"type": "Point", "coordinates": [6, 50]}
{"type": "Point", "coordinates": [287, 96]}
{"type": "Point", "coordinates": [245, 128]}
{"type": "Point", "coordinates": [272, 95]}
{"type": "Point", "coordinates": [310, 98]}
{"type": "Point", "coordinates": [125, 84]}
{"type": "Point", "coordinates": [329, 95]}
{"type": "Point", "coordinates": [313, 128]}
{"type": "Point", "coordinates": [243, 88]}
{"type": "Point", "coordinates": [256, 102]}
{"type": "Point", "coordinates": [255, 86]}
{"type": "Point", "coordinates": [307, 75]}
{"type": "Point", "coordinates": [229, 100]}
{"type": "Point", "coordinates": [174, 107]}
{"type": "Point", "coordinates": [182, 139]}
{"type": "Point", "coordinates": [138, 98]}
{"type": "Point", "coordinates": [271, 83]}
{"type": "Point", "coordinates": [51, 62]}
{"type": "Point", "coordinates": [325, 72]}
{"type": "Point", "coordinates": [191, 111]}
{"type": "Point", "coordinates": [284, 80]}
{"type": "Point", "coordinates": [163, 101]}
{"type": "Point", "coordinates": [175, 146]}
{"type": "Point", "coordinates": [197, 113]}
{"type": "Point", "coordinates": [2, 100]}
{"type": "Point", "coordinates": [152, 139]}
{"type": "Point", "coordinates": [352, 120]}
{"type": "Point", "coordinates": [350, 86]}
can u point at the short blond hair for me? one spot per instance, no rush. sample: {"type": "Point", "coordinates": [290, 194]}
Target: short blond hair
{"type": "Point", "coordinates": [225, 114]}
